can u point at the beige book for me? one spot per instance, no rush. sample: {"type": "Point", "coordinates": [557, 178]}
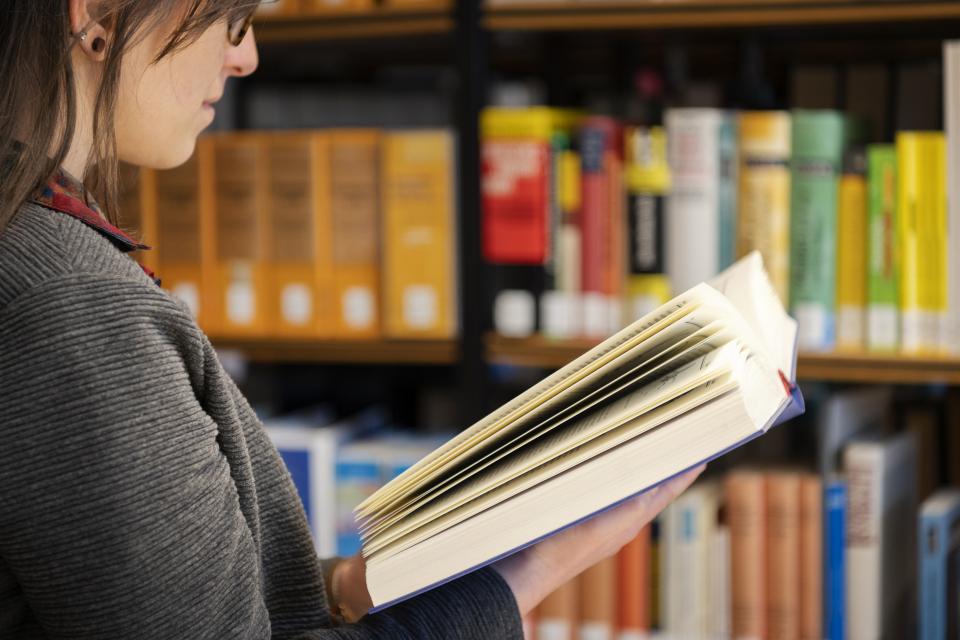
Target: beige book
{"type": "Point", "coordinates": [701, 375]}
{"type": "Point", "coordinates": [783, 554]}
{"type": "Point", "coordinates": [746, 512]}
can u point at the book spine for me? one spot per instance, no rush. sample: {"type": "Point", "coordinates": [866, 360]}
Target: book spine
{"type": "Point", "coordinates": [811, 557]}
{"type": "Point", "coordinates": [657, 577]}
{"type": "Point", "coordinates": [763, 206]}
{"type": "Point", "coordinates": [727, 197]}
{"type": "Point", "coordinates": [922, 239]}
{"type": "Point", "coordinates": [851, 254]}
{"type": "Point", "coordinates": [746, 505]}
{"type": "Point", "coordinates": [597, 217]}
{"type": "Point", "coordinates": [633, 584]}
{"type": "Point", "coordinates": [815, 168]}
{"type": "Point", "coordinates": [556, 307]}
{"type": "Point", "coordinates": [883, 307]}
{"type": "Point", "coordinates": [932, 541]}
{"type": "Point", "coordinates": [558, 614]}
{"type": "Point", "coordinates": [951, 341]}
{"type": "Point", "coordinates": [835, 583]}
{"type": "Point", "coordinates": [356, 479]}
{"type": "Point", "coordinates": [936, 238]}
{"type": "Point", "coordinates": [783, 555]}
{"type": "Point", "coordinates": [355, 224]}
{"type": "Point", "coordinates": [570, 256]}
{"type": "Point", "coordinates": [863, 465]}
{"type": "Point", "coordinates": [296, 301]}
{"type": "Point", "coordinates": [648, 182]}
{"type": "Point", "coordinates": [693, 206]}
{"type": "Point", "coordinates": [419, 217]}
{"type": "Point", "coordinates": [598, 609]}
{"type": "Point", "coordinates": [516, 185]}
{"type": "Point", "coordinates": [241, 237]}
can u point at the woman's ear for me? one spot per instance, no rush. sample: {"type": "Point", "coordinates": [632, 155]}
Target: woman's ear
{"type": "Point", "coordinates": [89, 34]}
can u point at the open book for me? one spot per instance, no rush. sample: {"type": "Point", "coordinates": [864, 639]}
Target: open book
{"type": "Point", "coordinates": [701, 375]}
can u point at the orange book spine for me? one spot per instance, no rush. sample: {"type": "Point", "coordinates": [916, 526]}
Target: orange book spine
{"type": "Point", "coordinates": [598, 600]}
{"type": "Point", "coordinates": [559, 613]}
{"type": "Point", "coordinates": [811, 557]}
{"type": "Point", "coordinates": [241, 236]}
{"type": "Point", "coordinates": [355, 227]}
{"type": "Point", "coordinates": [633, 585]}
{"type": "Point", "coordinates": [746, 511]}
{"type": "Point", "coordinates": [298, 295]}
{"type": "Point", "coordinates": [783, 555]}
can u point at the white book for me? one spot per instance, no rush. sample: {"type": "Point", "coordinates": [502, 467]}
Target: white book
{"type": "Point", "coordinates": [881, 537]}
{"type": "Point", "coordinates": [705, 373]}
{"type": "Point", "coordinates": [951, 96]}
{"type": "Point", "coordinates": [687, 535]}
{"type": "Point", "coordinates": [692, 229]}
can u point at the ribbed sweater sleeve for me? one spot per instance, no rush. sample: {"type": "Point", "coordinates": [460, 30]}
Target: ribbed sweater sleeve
{"type": "Point", "coordinates": [125, 509]}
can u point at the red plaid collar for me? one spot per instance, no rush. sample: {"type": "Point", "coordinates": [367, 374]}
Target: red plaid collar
{"type": "Point", "coordinates": [66, 194]}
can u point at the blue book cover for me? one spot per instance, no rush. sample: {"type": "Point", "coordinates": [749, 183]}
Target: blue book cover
{"type": "Point", "coordinates": [834, 582]}
{"type": "Point", "coordinates": [938, 542]}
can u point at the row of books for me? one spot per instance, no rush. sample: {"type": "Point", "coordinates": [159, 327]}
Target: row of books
{"type": "Point", "coordinates": [335, 234]}
{"type": "Point", "coordinates": [337, 462]}
{"type": "Point", "coordinates": [780, 554]}
{"type": "Point", "coordinates": [588, 224]}
{"type": "Point", "coordinates": [297, 8]}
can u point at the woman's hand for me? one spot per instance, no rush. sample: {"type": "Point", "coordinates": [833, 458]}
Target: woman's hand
{"type": "Point", "coordinates": [537, 571]}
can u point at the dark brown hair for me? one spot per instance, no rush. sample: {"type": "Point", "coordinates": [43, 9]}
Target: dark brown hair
{"type": "Point", "coordinates": [38, 108]}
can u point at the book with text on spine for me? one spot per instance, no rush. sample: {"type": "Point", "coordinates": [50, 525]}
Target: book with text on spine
{"type": "Point", "coordinates": [701, 375]}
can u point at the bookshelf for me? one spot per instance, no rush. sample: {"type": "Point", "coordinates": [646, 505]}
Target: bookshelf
{"type": "Point", "coordinates": [545, 353]}
{"type": "Point", "coordinates": [387, 352]}
{"type": "Point", "coordinates": [381, 22]}
{"type": "Point", "coordinates": [711, 14]}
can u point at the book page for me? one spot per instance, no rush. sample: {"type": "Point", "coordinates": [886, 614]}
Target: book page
{"type": "Point", "coordinates": [588, 364]}
{"type": "Point", "coordinates": [702, 372]}
{"type": "Point", "coordinates": [748, 287]}
{"type": "Point", "coordinates": [704, 340]}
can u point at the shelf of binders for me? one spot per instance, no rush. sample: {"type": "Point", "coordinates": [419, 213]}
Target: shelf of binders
{"type": "Point", "coordinates": [837, 367]}
{"type": "Point", "coordinates": [667, 14]}
{"type": "Point", "coordinates": [310, 25]}
{"type": "Point", "coordinates": [303, 351]}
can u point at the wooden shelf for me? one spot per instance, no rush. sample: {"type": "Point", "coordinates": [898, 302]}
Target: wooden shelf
{"type": "Point", "coordinates": [380, 23]}
{"type": "Point", "coordinates": [858, 368]}
{"type": "Point", "coordinates": [302, 351]}
{"type": "Point", "coordinates": [674, 14]}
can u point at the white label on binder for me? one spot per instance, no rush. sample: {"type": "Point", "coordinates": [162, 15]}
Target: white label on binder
{"type": "Point", "coordinates": [358, 307]}
{"type": "Point", "coordinates": [420, 307]}
{"type": "Point", "coordinates": [189, 294]}
{"type": "Point", "coordinates": [240, 303]}
{"type": "Point", "coordinates": [296, 304]}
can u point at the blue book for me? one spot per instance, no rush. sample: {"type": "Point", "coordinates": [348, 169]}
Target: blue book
{"type": "Point", "coordinates": [939, 562]}
{"type": "Point", "coordinates": [834, 575]}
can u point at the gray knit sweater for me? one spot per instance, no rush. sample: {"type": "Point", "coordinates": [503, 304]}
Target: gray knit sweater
{"type": "Point", "coordinates": [139, 494]}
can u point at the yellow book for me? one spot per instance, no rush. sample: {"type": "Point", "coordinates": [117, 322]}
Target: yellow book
{"type": "Point", "coordinates": [354, 218]}
{"type": "Point", "coordinates": [922, 235]}
{"type": "Point", "coordinates": [763, 216]}
{"type": "Point", "coordinates": [237, 212]}
{"type": "Point", "coordinates": [419, 233]}
{"type": "Point", "coordinates": [852, 254]}
{"type": "Point", "coordinates": [336, 6]}
{"type": "Point", "coordinates": [300, 289]}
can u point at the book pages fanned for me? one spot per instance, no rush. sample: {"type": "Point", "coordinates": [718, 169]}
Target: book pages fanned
{"type": "Point", "coordinates": [703, 374]}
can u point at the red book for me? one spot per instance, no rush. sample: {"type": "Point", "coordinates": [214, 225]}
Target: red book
{"type": "Point", "coordinates": [516, 201]}
{"type": "Point", "coordinates": [601, 221]}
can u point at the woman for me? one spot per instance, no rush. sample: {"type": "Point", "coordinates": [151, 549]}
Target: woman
{"type": "Point", "coordinates": [139, 496]}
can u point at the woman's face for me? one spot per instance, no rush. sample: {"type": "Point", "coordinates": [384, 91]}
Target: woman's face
{"type": "Point", "coordinates": [163, 106]}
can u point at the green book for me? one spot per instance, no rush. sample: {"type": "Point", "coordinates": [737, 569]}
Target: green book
{"type": "Point", "coordinates": [818, 141]}
{"type": "Point", "coordinates": [883, 303]}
